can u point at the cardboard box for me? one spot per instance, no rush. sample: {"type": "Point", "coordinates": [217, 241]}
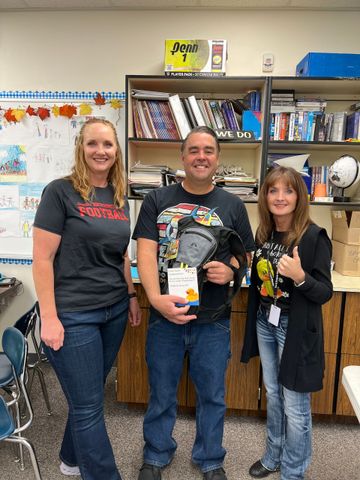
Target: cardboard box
{"type": "Point", "coordinates": [346, 226]}
{"type": "Point", "coordinates": [195, 57]}
{"type": "Point", "coordinates": [346, 258]}
{"type": "Point", "coordinates": [316, 64]}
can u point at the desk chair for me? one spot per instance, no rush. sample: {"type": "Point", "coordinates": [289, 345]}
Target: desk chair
{"type": "Point", "coordinates": [15, 348]}
{"type": "Point", "coordinates": [27, 325]}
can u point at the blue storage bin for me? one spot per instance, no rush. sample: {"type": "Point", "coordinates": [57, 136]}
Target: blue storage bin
{"type": "Point", "coordinates": [316, 64]}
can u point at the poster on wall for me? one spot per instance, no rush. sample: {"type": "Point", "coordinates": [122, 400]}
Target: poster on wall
{"type": "Point", "coordinates": [38, 131]}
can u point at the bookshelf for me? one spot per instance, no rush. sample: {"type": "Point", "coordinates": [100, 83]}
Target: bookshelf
{"type": "Point", "coordinates": [251, 156]}
{"type": "Point", "coordinates": [248, 154]}
{"type": "Point", "coordinates": [339, 94]}
{"type": "Point", "coordinates": [244, 381]}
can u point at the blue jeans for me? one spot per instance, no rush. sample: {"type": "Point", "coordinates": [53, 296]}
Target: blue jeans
{"type": "Point", "coordinates": [92, 340]}
{"type": "Point", "coordinates": [208, 347]}
{"type": "Point", "coordinates": [289, 422]}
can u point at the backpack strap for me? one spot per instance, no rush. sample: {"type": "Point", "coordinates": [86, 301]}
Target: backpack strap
{"type": "Point", "coordinates": [237, 249]}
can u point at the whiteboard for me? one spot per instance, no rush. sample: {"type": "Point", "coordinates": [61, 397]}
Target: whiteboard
{"type": "Point", "coordinates": [35, 151]}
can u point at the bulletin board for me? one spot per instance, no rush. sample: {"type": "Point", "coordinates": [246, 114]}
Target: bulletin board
{"type": "Point", "coordinates": [38, 131]}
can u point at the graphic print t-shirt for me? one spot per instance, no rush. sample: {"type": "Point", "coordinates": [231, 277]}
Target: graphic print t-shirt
{"type": "Point", "coordinates": [266, 259]}
{"type": "Point", "coordinates": [89, 265]}
{"type": "Point", "coordinates": [164, 207]}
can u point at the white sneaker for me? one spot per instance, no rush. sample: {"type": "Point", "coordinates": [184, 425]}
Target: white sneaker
{"type": "Point", "coordinates": [67, 470]}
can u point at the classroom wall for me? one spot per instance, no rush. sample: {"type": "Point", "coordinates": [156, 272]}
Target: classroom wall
{"type": "Point", "coordinates": [92, 50]}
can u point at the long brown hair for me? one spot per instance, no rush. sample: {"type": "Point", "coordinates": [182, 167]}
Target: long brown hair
{"type": "Point", "coordinates": [80, 177]}
{"type": "Point", "coordinates": [301, 217]}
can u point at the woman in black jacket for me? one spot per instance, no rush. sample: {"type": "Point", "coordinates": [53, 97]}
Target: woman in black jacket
{"type": "Point", "coordinates": [290, 280]}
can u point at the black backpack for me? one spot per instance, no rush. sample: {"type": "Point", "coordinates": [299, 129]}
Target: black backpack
{"type": "Point", "coordinates": [199, 244]}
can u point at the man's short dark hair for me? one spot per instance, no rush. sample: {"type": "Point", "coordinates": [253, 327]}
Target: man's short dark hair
{"type": "Point", "coordinates": [202, 129]}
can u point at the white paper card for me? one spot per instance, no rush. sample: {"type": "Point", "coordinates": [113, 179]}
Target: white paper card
{"type": "Point", "coordinates": [274, 315]}
{"type": "Point", "coordinates": [183, 283]}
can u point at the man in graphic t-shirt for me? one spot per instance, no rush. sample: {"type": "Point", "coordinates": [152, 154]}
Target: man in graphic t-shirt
{"type": "Point", "coordinates": [172, 331]}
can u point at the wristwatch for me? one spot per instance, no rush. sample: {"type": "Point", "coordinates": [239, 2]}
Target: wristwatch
{"type": "Point", "coordinates": [132, 295]}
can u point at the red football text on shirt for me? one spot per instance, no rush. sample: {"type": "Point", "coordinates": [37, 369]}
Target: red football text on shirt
{"type": "Point", "coordinates": [101, 210]}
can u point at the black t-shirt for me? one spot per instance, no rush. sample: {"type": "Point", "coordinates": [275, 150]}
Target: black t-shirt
{"type": "Point", "coordinates": [89, 264]}
{"type": "Point", "coordinates": [164, 207]}
{"type": "Point", "coordinates": [266, 259]}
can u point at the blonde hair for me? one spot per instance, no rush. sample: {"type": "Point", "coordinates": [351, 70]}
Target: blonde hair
{"type": "Point", "coordinates": [301, 217]}
{"type": "Point", "coordinates": [80, 177]}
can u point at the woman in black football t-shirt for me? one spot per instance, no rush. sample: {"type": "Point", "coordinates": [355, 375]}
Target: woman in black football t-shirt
{"type": "Point", "coordinates": [82, 278]}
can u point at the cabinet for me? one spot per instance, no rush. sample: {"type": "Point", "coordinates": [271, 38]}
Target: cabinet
{"type": "Point", "coordinates": [251, 155]}
{"type": "Point", "coordinates": [243, 381]}
{"type": "Point", "coordinates": [322, 402]}
{"type": "Point", "coordinates": [350, 348]}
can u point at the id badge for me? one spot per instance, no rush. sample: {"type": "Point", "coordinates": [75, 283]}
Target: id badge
{"type": "Point", "coordinates": [274, 315]}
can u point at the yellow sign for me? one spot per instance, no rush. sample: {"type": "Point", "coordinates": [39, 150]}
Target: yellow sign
{"type": "Point", "coordinates": [196, 57]}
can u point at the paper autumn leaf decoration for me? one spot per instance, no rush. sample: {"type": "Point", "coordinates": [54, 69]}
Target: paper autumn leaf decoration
{"type": "Point", "coordinates": [55, 111]}
{"type": "Point", "coordinates": [67, 110]}
{"type": "Point", "coordinates": [115, 103]}
{"type": "Point", "coordinates": [18, 114]}
{"type": "Point", "coordinates": [31, 111]}
{"type": "Point", "coordinates": [9, 115]}
{"type": "Point", "coordinates": [43, 113]}
{"type": "Point", "coordinates": [99, 99]}
{"type": "Point", "coordinates": [85, 109]}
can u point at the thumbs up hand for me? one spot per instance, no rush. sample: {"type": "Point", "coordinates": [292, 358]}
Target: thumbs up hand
{"type": "Point", "coordinates": [291, 267]}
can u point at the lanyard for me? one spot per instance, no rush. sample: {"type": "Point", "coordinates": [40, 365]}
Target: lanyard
{"type": "Point", "coordinates": [274, 280]}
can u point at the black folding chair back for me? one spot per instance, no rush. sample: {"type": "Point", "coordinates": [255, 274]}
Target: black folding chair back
{"type": "Point", "coordinates": [27, 324]}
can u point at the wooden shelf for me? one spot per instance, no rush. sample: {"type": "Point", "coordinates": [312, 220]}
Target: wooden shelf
{"type": "Point", "coordinates": [250, 155]}
{"type": "Point", "coordinates": [189, 85]}
{"type": "Point", "coordinates": [328, 87]}
{"type": "Point", "coordinates": [301, 146]}
{"type": "Point", "coordinates": [156, 143]}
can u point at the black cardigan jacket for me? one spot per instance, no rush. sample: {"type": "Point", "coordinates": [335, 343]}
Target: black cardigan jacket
{"type": "Point", "coordinates": [302, 363]}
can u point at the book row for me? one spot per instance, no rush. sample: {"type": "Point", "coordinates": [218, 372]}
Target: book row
{"type": "Point", "coordinates": [320, 187]}
{"type": "Point", "coordinates": [172, 118]}
{"type": "Point", "coordinates": [309, 126]}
